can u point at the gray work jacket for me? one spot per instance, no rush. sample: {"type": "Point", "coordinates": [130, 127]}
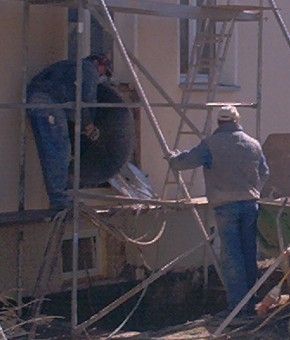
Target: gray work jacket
{"type": "Point", "coordinates": [234, 165]}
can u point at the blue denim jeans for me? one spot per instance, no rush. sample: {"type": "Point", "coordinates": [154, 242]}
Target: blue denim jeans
{"type": "Point", "coordinates": [237, 227]}
{"type": "Point", "coordinates": [50, 128]}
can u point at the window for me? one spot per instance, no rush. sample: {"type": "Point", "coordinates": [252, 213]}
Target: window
{"type": "Point", "coordinates": [90, 254]}
{"type": "Point", "coordinates": [188, 30]}
{"type": "Point", "coordinates": [184, 41]}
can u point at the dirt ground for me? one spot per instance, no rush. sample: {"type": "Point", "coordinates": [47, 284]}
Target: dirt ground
{"type": "Point", "coordinates": [270, 327]}
{"type": "Point", "coordinates": [274, 326]}
{"type": "Point", "coordinates": [171, 321]}
{"type": "Point", "coordinates": [203, 329]}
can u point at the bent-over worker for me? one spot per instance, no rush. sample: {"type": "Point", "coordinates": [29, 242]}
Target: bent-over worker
{"type": "Point", "coordinates": [53, 128]}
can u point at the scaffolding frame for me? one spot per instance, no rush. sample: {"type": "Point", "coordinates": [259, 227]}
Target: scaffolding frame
{"type": "Point", "coordinates": [139, 7]}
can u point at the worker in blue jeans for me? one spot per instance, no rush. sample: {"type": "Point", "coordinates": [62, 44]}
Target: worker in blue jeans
{"type": "Point", "coordinates": [105, 146]}
{"type": "Point", "coordinates": [235, 170]}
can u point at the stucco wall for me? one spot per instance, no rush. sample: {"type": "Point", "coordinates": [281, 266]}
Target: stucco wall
{"type": "Point", "coordinates": [155, 42]}
{"type": "Point", "coordinates": [47, 44]}
{"type": "Point", "coordinates": [10, 70]}
{"type": "Point", "coordinates": [117, 258]}
{"type": "Point", "coordinates": [157, 49]}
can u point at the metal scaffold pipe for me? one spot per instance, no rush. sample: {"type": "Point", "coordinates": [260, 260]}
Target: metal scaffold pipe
{"type": "Point", "coordinates": [140, 89]}
{"type": "Point", "coordinates": [113, 30]}
{"type": "Point", "coordinates": [22, 149]}
{"type": "Point", "coordinates": [76, 183]}
{"type": "Point", "coordinates": [280, 21]}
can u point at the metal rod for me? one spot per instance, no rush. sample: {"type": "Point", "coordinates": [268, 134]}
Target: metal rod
{"type": "Point", "coordinates": [136, 289]}
{"type": "Point", "coordinates": [76, 183]}
{"type": "Point", "coordinates": [162, 9]}
{"type": "Point", "coordinates": [155, 125]}
{"type": "Point", "coordinates": [146, 105]}
{"type": "Point", "coordinates": [71, 105]}
{"type": "Point", "coordinates": [139, 87]}
{"type": "Point", "coordinates": [251, 292]}
{"type": "Point", "coordinates": [176, 106]}
{"type": "Point", "coordinates": [259, 77]}
{"type": "Point", "coordinates": [22, 149]}
{"type": "Point", "coordinates": [132, 200]}
{"type": "Point", "coordinates": [46, 268]}
{"type": "Point", "coordinates": [280, 21]}
{"type": "Point", "coordinates": [2, 334]}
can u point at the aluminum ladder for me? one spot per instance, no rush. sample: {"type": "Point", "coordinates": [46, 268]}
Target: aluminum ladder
{"type": "Point", "coordinates": [214, 36]}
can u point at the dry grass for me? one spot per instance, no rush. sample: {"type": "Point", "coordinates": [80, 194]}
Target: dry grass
{"type": "Point", "coordinates": [12, 321]}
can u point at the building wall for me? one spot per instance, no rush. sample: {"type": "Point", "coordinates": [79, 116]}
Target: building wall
{"type": "Point", "coordinates": [115, 259]}
{"type": "Point", "coordinates": [10, 69]}
{"type": "Point", "coordinates": [155, 42]}
{"type": "Point", "coordinates": [47, 44]}
{"type": "Point", "coordinates": [157, 48]}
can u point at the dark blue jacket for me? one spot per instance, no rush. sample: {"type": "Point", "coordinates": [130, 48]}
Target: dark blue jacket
{"type": "Point", "coordinates": [59, 82]}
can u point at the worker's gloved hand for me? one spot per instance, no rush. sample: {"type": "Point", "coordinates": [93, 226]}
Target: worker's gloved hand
{"type": "Point", "coordinates": [94, 135]}
{"type": "Point", "coordinates": [92, 132]}
{"type": "Point", "coordinates": [171, 153]}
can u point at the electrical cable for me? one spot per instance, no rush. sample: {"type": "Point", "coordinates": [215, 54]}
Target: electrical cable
{"type": "Point", "coordinates": [123, 323]}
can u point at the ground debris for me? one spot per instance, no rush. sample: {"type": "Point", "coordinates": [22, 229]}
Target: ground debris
{"type": "Point", "coordinates": [275, 327]}
{"type": "Point", "coordinates": [189, 330]}
{"type": "Point", "coordinates": [190, 316]}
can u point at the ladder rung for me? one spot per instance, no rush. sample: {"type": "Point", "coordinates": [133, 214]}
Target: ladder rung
{"type": "Point", "coordinates": [207, 40]}
{"type": "Point", "coordinates": [217, 42]}
{"type": "Point", "coordinates": [187, 132]}
{"type": "Point", "coordinates": [174, 183]}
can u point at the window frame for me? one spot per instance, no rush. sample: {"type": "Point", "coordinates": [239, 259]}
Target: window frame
{"type": "Point", "coordinates": [97, 255]}
{"type": "Point", "coordinates": [191, 25]}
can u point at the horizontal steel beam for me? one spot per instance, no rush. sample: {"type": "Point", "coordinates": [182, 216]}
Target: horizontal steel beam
{"type": "Point", "coordinates": [71, 105]}
{"type": "Point", "coordinates": [155, 8]}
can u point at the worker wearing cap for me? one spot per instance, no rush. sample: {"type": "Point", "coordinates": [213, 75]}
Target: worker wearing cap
{"type": "Point", "coordinates": [235, 171]}
{"type": "Point", "coordinates": [54, 127]}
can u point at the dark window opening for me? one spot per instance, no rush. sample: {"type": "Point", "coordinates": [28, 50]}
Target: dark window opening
{"type": "Point", "coordinates": [188, 30]}
{"type": "Point", "coordinates": [87, 254]}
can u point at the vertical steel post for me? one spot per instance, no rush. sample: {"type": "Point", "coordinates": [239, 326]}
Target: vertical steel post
{"type": "Point", "coordinates": [155, 125]}
{"type": "Point", "coordinates": [22, 149]}
{"type": "Point", "coordinates": [76, 184]}
{"type": "Point", "coordinates": [280, 21]}
{"type": "Point", "coordinates": [259, 74]}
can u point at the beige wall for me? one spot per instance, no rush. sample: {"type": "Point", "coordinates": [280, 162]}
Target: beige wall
{"type": "Point", "coordinates": [114, 256]}
{"type": "Point", "coordinates": [157, 49]}
{"type": "Point", "coordinates": [155, 42]}
{"type": "Point", "coordinates": [47, 44]}
{"type": "Point", "coordinates": [10, 70]}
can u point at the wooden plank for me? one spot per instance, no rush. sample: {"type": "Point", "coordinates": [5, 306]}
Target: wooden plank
{"type": "Point", "coordinates": [46, 215]}
{"type": "Point", "coordinates": [145, 7]}
{"type": "Point", "coordinates": [26, 217]}
{"type": "Point", "coordinates": [117, 199]}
